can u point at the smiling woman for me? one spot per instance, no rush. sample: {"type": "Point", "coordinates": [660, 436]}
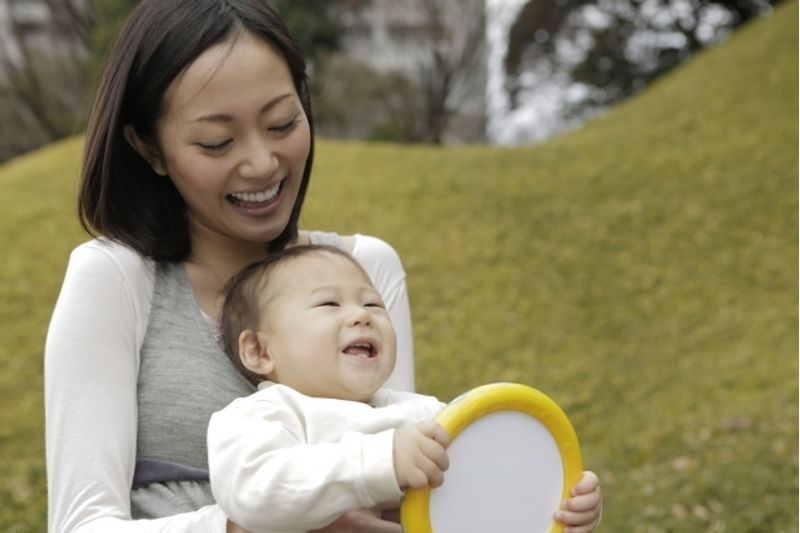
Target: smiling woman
{"type": "Point", "coordinates": [198, 154]}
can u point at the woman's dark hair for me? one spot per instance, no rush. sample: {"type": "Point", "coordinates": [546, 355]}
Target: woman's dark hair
{"type": "Point", "coordinates": [245, 294]}
{"type": "Point", "coordinates": [120, 195]}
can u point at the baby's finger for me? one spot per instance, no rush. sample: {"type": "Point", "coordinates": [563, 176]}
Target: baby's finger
{"type": "Point", "coordinates": [578, 522]}
{"type": "Point", "coordinates": [417, 478]}
{"type": "Point", "coordinates": [435, 431]}
{"type": "Point", "coordinates": [572, 518]}
{"type": "Point", "coordinates": [436, 453]}
{"type": "Point", "coordinates": [586, 528]}
{"type": "Point", "coordinates": [589, 482]}
{"type": "Point", "coordinates": [584, 502]}
{"type": "Point", "coordinates": [433, 473]}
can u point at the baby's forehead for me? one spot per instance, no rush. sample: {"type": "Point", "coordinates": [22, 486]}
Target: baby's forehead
{"type": "Point", "coordinates": [320, 262]}
{"type": "Point", "coordinates": [316, 268]}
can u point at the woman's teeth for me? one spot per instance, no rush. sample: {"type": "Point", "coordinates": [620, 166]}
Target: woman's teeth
{"type": "Point", "coordinates": [256, 197]}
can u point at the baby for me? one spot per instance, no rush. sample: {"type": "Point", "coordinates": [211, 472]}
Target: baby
{"type": "Point", "coordinates": [320, 436]}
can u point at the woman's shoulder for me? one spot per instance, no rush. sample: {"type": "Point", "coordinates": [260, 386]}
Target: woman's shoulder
{"type": "Point", "coordinates": [378, 257]}
{"type": "Point", "coordinates": [371, 252]}
{"type": "Point", "coordinates": [104, 250]}
{"type": "Point", "coordinates": [105, 259]}
{"type": "Point", "coordinates": [372, 246]}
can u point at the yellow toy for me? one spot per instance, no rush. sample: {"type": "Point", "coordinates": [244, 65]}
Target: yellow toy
{"type": "Point", "coordinates": [513, 457]}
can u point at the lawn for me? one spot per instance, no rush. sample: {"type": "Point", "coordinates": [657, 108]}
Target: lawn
{"type": "Point", "coordinates": [642, 271]}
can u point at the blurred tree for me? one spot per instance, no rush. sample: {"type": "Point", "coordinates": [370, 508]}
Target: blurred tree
{"type": "Point", "coordinates": [408, 72]}
{"type": "Point", "coordinates": [613, 48]}
{"type": "Point", "coordinates": [45, 45]}
{"type": "Point", "coordinates": [454, 52]}
{"type": "Point", "coordinates": [109, 15]}
{"type": "Point", "coordinates": [355, 101]}
{"type": "Point", "coordinates": [314, 24]}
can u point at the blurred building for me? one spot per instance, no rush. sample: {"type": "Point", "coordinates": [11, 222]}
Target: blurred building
{"type": "Point", "coordinates": [440, 44]}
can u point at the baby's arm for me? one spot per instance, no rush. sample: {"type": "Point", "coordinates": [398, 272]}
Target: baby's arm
{"type": "Point", "coordinates": [266, 477]}
{"type": "Point", "coordinates": [420, 458]}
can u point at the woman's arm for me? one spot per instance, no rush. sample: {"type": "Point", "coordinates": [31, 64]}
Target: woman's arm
{"type": "Point", "coordinates": [385, 268]}
{"type": "Point", "coordinates": [91, 368]}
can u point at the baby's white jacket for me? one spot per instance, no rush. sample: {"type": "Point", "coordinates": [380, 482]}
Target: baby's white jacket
{"type": "Point", "coordinates": [284, 462]}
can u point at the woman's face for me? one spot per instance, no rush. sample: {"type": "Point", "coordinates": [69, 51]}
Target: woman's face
{"type": "Point", "coordinates": [234, 139]}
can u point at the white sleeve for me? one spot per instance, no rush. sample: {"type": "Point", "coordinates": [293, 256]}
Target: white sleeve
{"type": "Point", "coordinates": [267, 478]}
{"type": "Point", "coordinates": [385, 268]}
{"type": "Point", "coordinates": [91, 367]}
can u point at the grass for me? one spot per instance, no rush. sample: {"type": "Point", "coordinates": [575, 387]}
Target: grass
{"type": "Point", "coordinates": [642, 272]}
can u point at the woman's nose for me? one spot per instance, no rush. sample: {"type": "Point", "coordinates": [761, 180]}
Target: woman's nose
{"type": "Point", "coordinates": [259, 160]}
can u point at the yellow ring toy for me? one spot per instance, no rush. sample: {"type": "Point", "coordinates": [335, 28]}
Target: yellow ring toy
{"type": "Point", "coordinates": [506, 400]}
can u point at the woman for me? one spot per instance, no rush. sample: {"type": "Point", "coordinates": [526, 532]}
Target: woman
{"type": "Point", "coordinates": [198, 154]}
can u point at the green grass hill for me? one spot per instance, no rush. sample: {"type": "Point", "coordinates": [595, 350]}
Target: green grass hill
{"type": "Point", "coordinates": [642, 271]}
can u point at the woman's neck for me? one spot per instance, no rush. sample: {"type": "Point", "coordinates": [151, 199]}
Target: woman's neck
{"type": "Point", "coordinates": [211, 264]}
{"type": "Point", "coordinates": [214, 261]}
{"type": "Point", "coordinates": [223, 262]}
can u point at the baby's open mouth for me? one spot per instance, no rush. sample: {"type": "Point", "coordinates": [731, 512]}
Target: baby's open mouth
{"type": "Point", "coordinates": [361, 349]}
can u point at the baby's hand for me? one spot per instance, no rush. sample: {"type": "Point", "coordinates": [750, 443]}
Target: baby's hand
{"type": "Point", "coordinates": [581, 513]}
{"type": "Point", "coordinates": [419, 454]}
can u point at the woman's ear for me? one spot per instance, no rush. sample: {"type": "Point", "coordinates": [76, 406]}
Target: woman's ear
{"type": "Point", "coordinates": [253, 353]}
{"type": "Point", "coordinates": [145, 149]}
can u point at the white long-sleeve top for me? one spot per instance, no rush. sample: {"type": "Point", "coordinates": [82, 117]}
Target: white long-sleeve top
{"type": "Point", "coordinates": [283, 462]}
{"type": "Point", "coordinates": [92, 360]}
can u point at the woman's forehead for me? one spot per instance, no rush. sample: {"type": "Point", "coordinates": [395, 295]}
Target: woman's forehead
{"type": "Point", "coordinates": [241, 69]}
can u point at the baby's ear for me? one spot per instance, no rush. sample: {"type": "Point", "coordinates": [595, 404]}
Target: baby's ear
{"type": "Point", "coordinates": [253, 352]}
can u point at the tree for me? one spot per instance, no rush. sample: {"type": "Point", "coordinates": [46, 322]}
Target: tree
{"type": "Point", "coordinates": [314, 24]}
{"type": "Point", "coordinates": [109, 16]}
{"type": "Point", "coordinates": [42, 86]}
{"type": "Point", "coordinates": [454, 51]}
{"type": "Point", "coordinates": [613, 48]}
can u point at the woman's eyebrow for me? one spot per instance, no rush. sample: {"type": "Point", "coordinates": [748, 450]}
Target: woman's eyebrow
{"type": "Point", "coordinates": [222, 117]}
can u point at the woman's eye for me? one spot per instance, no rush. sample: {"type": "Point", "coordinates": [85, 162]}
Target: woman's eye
{"type": "Point", "coordinates": [287, 127]}
{"type": "Point", "coordinates": [214, 147]}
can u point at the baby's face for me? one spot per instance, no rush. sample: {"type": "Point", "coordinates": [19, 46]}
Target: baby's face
{"type": "Point", "coordinates": [327, 330]}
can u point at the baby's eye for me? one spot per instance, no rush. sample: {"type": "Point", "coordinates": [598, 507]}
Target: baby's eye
{"type": "Point", "coordinates": [328, 303]}
{"type": "Point", "coordinates": [374, 304]}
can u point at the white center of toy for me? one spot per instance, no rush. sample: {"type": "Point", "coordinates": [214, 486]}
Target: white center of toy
{"type": "Point", "coordinates": [505, 475]}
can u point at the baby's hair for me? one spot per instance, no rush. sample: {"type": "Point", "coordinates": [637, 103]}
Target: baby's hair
{"type": "Point", "coordinates": [245, 293]}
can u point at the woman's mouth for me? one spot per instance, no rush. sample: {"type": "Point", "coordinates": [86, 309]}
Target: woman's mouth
{"type": "Point", "coordinates": [255, 199]}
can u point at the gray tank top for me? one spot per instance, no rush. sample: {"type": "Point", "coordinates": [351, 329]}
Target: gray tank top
{"type": "Point", "coordinates": [184, 376]}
